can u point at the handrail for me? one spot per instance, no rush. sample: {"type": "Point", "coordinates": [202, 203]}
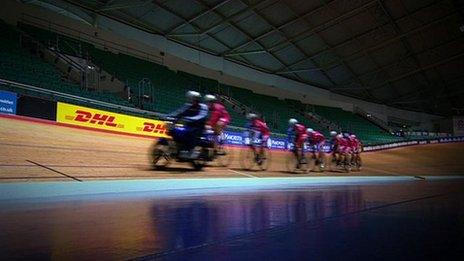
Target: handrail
{"type": "Point", "coordinates": [78, 98]}
{"type": "Point", "coordinates": [372, 118]}
{"type": "Point", "coordinates": [58, 54]}
{"type": "Point", "coordinates": [96, 102]}
{"type": "Point", "coordinates": [235, 102]}
{"type": "Point", "coordinates": [329, 125]}
{"type": "Point", "coordinates": [64, 30]}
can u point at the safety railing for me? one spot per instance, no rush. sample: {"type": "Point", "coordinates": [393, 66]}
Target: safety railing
{"type": "Point", "coordinates": [92, 39]}
{"type": "Point", "coordinates": [78, 99]}
{"type": "Point", "coordinates": [377, 121]}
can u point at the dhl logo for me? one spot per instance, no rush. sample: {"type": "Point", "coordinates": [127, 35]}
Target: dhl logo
{"type": "Point", "coordinates": [155, 128]}
{"type": "Point", "coordinates": [96, 118]}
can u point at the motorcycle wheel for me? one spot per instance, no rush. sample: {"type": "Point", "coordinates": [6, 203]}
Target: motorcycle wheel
{"type": "Point", "coordinates": [161, 157]}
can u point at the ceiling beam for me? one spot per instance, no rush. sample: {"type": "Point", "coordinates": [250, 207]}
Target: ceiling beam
{"type": "Point", "coordinates": [201, 14]}
{"type": "Point", "coordinates": [228, 19]}
{"type": "Point", "coordinates": [357, 80]}
{"type": "Point", "coordinates": [402, 76]}
{"type": "Point", "coordinates": [413, 94]}
{"type": "Point", "coordinates": [309, 31]}
{"type": "Point", "coordinates": [162, 6]}
{"type": "Point", "coordinates": [132, 22]}
{"type": "Point", "coordinates": [233, 25]}
{"type": "Point", "coordinates": [355, 37]}
{"type": "Point", "coordinates": [406, 45]}
{"type": "Point", "coordinates": [396, 38]}
{"type": "Point", "coordinates": [122, 6]}
{"type": "Point", "coordinates": [362, 52]}
{"type": "Point", "coordinates": [294, 45]}
{"type": "Point", "coordinates": [401, 60]}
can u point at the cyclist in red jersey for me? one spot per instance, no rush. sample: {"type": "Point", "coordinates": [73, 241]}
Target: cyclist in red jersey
{"type": "Point", "coordinates": [342, 145]}
{"type": "Point", "coordinates": [256, 128]}
{"type": "Point", "coordinates": [354, 143]}
{"type": "Point", "coordinates": [219, 117]}
{"type": "Point", "coordinates": [316, 141]}
{"type": "Point", "coordinates": [356, 146]}
{"type": "Point", "coordinates": [296, 133]}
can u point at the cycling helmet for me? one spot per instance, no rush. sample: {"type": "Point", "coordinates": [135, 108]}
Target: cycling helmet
{"type": "Point", "coordinates": [333, 133]}
{"type": "Point", "coordinates": [352, 136]}
{"type": "Point", "coordinates": [292, 122]}
{"type": "Point", "coordinates": [251, 116]}
{"type": "Point", "coordinates": [192, 96]}
{"type": "Point", "coordinates": [209, 98]}
{"type": "Point", "coordinates": [309, 130]}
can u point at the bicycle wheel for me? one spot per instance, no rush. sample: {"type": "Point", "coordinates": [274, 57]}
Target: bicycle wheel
{"type": "Point", "coordinates": [224, 156]}
{"type": "Point", "coordinates": [358, 163]}
{"type": "Point", "coordinates": [310, 163]}
{"type": "Point", "coordinates": [322, 163]}
{"type": "Point", "coordinates": [347, 164]}
{"type": "Point", "coordinates": [247, 158]}
{"type": "Point", "coordinates": [294, 165]}
{"type": "Point", "coordinates": [291, 163]}
{"type": "Point", "coordinates": [265, 161]}
{"type": "Point", "coordinates": [332, 163]}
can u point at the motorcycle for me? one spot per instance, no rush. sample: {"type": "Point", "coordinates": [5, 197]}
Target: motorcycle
{"type": "Point", "coordinates": [166, 150]}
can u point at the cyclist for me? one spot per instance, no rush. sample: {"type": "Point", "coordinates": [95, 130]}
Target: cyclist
{"type": "Point", "coordinates": [317, 141]}
{"type": "Point", "coordinates": [219, 117]}
{"type": "Point", "coordinates": [256, 129]}
{"type": "Point", "coordinates": [296, 134]}
{"type": "Point", "coordinates": [356, 148]}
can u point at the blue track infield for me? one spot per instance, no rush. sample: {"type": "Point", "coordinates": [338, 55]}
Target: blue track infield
{"type": "Point", "coordinates": [183, 187]}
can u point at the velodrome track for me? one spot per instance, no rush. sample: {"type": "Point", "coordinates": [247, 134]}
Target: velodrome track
{"type": "Point", "coordinates": [34, 151]}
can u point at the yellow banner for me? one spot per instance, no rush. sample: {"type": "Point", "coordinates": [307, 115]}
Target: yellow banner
{"type": "Point", "coordinates": [108, 121]}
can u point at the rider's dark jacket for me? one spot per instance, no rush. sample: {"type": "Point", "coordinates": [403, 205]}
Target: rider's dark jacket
{"type": "Point", "coordinates": [194, 115]}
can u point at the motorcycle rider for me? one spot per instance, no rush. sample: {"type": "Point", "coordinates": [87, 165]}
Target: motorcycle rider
{"type": "Point", "coordinates": [193, 114]}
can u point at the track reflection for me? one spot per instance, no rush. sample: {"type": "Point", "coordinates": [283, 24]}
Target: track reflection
{"type": "Point", "coordinates": [285, 223]}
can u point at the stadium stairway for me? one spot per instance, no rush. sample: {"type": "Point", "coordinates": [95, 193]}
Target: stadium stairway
{"type": "Point", "coordinates": [368, 132]}
{"type": "Point", "coordinates": [25, 66]}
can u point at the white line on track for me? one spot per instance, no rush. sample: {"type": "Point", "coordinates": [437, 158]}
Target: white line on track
{"type": "Point", "coordinates": [241, 173]}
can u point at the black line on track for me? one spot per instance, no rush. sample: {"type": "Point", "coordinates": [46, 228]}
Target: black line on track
{"type": "Point", "coordinates": [56, 171]}
{"type": "Point", "coordinates": [397, 175]}
{"type": "Point", "coordinates": [81, 166]}
{"type": "Point", "coordinates": [283, 228]}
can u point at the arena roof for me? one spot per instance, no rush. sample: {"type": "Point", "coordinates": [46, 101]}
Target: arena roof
{"type": "Point", "coordinates": [403, 53]}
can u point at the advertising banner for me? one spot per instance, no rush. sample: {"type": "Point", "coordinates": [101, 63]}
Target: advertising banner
{"type": "Point", "coordinates": [238, 138]}
{"type": "Point", "coordinates": [8, 102]}
{"type": "Point", "coordinates": [109, 121]}
{"type": "Point", "coordinates": [115, 122]}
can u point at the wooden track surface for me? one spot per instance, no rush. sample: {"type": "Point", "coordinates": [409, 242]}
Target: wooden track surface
{"type": "Point", "coordinates": [32, 151]}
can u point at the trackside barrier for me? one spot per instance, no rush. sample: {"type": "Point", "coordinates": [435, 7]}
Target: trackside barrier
{"type": "Point", "coordinates": [414, 142]}
{"type": "Point", "coordinates": [8, 102]}
{"type": "Point", "coordinates": [88, 118]}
